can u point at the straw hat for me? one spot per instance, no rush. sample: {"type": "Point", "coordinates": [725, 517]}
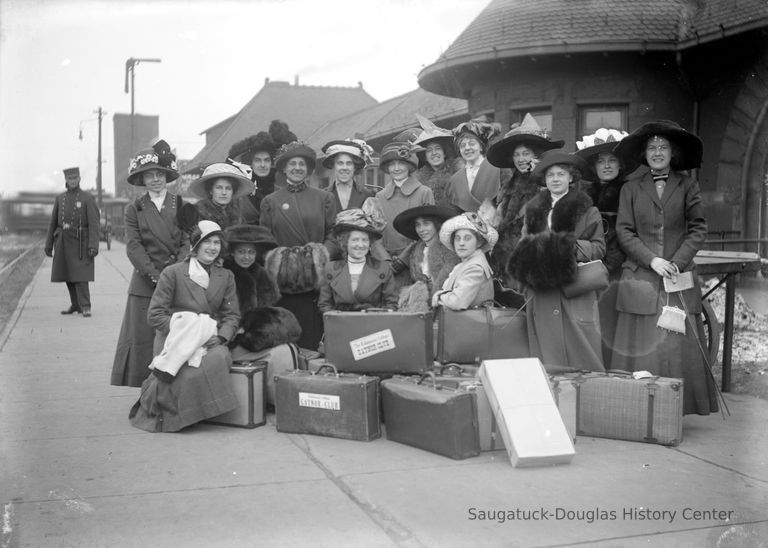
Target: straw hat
{"type": "Point", "coordinates": [241, 184]}
{"type": "Point", "coordinates": [358, 149]}
{"type": "Point", "coordinates": [471, 221]}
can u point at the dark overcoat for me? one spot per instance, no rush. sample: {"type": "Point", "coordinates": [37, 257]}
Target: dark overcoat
{"type": "Point", "coordinates": [356, 197]}
{"type": "Point", "coordinates": [375, 288]}
{"type": "Point", "coordinates": [73, 230]}
{"type": "Point", "coordinates": [486, 186]}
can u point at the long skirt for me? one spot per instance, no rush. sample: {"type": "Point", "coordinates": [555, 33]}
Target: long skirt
{"type": "Point", "coordinates": [639, 345]}
{"type": "Point", "coordinates": [196, 394]}
{"type": "Point", "coordinates": [606, 304]}
{"type": "Point", "coordinates": [134, 346]}
{"type": "Point", "coordinates": [304, 307]}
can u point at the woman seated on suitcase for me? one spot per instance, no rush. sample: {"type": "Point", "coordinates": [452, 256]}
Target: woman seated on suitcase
{"type": "Point", "coordinates": [359, 280]}
{"type": "Point", "coordinates": [194, 313]}
{"type": "Point", "coordinates": [470, 283]}
{"type": "Point", "coordinates": [428, 261]}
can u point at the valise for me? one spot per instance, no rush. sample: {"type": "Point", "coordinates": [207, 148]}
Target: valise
{"type": "Point", "coordinates": [279, 359]}
{"type": "Point", "coordinates": [248, 382]}
{"type": "Point", "coordinates": [379, 341]}
{"type": "Point", "coordinates": [328, 404]}
{"type": "Point", "coordinates": [617, 406]}
{"type": "Point", "coordinates": [485, 332]}
{"type": "Point", "coordinates": [435, 418]}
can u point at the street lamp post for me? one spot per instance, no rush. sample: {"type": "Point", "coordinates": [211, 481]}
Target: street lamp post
{"type": "Point", "coordinates": [99, 191]}
{"type": "Point", "coordinates": [130, 67]}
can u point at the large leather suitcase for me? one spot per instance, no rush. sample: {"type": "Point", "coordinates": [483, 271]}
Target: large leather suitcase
{"type": "Point", "coordinates": [615, 405]}
{"type": "Point", "coordinates": [379, 341]}
{"type": "Point", "coordinates": [522, 402]}
{"type": "Point", "coordinates": [328, 404]}
{"type": "Point", "coordinates": [485, 332]}
{"type": "Point", "coordinates": [435, 418]}
{"type": "Point", "coordinates": [564, 392]}
{"type": "Point", "coordinates": [248, 382]}
{"type": "Point", "coordinates": [279, 359]}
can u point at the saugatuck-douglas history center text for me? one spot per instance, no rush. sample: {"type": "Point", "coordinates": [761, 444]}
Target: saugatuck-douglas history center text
{"type": "Point", "coordinates": [591, 515]}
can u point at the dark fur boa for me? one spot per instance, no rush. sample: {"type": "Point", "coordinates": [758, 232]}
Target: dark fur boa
{"type": "Point", "coordinates": [223, 216]}
{"type": "Point", "coordinates": [262, 328]}
{"type": "Point", "coordinates": [255, 287]}
{"type": "Point", "coordinates": [605, 196]}
{"type": "Point", "coordinates": [545, 259]}
{"type": "Point", "coordinates": [417, 296]}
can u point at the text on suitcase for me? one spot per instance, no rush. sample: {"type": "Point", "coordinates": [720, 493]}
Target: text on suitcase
{"type": "Point", "coordinates": [320, 401]}
{"type": "Point", "coordinates": [372, 344]}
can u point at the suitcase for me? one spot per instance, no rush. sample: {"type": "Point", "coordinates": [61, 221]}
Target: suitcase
{"type": "Point", "coordinates": [250, 389]}
{"type": "Point", "coordinates": [279, 359]}
{"type": "Point", "coordinates": [522, 402]}
{"type": "Point", "coordinates": [564, 392]}
{"type": "Point", "coordinates": [617, 406]}
{"type": "Point", "coordinates": [328, 404]}
{"type": "Point", "coordinates": [484, 332]}
{"type": "Point", "coordinates": [439, 419]}
{"type": "Point", "coordinates": [379, 341]}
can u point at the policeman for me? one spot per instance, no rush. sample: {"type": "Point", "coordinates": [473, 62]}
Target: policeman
{"type": "Point", "coordinates": [73, 242]}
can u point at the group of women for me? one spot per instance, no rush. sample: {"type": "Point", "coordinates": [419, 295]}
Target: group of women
{"type": "Point", "coordinates": [291, 247]}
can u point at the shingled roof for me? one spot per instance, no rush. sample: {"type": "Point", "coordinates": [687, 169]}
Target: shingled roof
{"type": "Point", "coordinates": [388, 117]}
{"type": "Point", "coordinates": [507, 29]}
{"type": "Point", "coordinates": [303, 108]}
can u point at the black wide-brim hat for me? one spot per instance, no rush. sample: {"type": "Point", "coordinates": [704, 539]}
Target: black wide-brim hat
{"type": "Point", "coordinates": [690, 147]}
{"type": "Point", "coordinates": [500, 151]}
{"type": "Point", "coordinates": [250, 234]}
{"type": "Point", "coordinates": [296, 150]}
{"type": "Point", "coordinates": [157, 157]}
{"type": "Point", "coordinates": [557, 157]}
{"type": "Point", "coordinates": [405, 222]}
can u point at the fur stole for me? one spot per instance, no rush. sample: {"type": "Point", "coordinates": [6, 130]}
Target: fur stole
{"type": "Point", "coordinates": [605, 196]}
{"type": "Point", "coordinates": [223, 216]}
{"type": "Point", "coordinates": [439, 179]}
{"type": "Point", "coordinates": [417, 297]}
{"type": "Point", "coordinates": [514, 194]}
{"type": "Point", "coordinates": [298, 269]}
{"type": "Point", "coordinates": [262, 328]}
{"type": "Point", "coordinates": [255, 287]}
{"type": "Point", "coordinates": [545, 259]}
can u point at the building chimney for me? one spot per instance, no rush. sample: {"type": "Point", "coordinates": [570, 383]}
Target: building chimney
{"type": "Point", "coordinates": [266, 80]}
{"type": "Point", "coordinates": [360, 85]}
{"type": "Point", "coordinates": [296, 80]}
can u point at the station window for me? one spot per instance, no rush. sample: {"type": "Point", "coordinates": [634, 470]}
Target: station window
{"type": "Point", "coordinates": [593, 117]}
{"type": "Point", "coordinates": [543, 117]}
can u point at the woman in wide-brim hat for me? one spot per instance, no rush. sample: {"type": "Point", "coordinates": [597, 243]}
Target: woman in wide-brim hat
{"type": "Point", "coordinates": [345, 159]}
{"type": "Point", "coordinates": [259, 151]}
{"type": "Point", "coordinates": [359, 280]}
{"type": "Point", "coordinates": [298, 214]}
{"type": "Point", "coordinates": [219, 189]}
{"type": "Point", "coordinates": [437, 161]}
{"type": "Point", "coordinates": [426, 261]}
{"type": "Point", "coordinates": [561, 228]}
{"type": "Point", "coordinates": [518, 150]}
{"type": "Point", "coordinates": [154, 239]}
{"type": "Point", "coordinates": [661, 226]}
{"type": "Point", "coordinates": [403, 190]}
{"type": "Point", "coordinates": [479, 180]}
{"type": "Point", "coordinates": [178, 394]}
{"type": "Point", "coordinates": [470, 282]}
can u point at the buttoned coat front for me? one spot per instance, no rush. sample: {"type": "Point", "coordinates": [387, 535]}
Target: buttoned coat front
{"type": "Point", "coordinates": [393, 201]}
{"type": "Point", "coordinates": [375, 287]}
{"type": "Point", "coordinates": [356, 196]}
{"type": "Point", "coordinates": [486, 186]}
{"type": "Point", "coordinates": [73, 230]}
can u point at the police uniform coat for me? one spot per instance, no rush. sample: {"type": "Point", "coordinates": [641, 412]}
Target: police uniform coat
{"type": "Point", "coordinates": [153, 241]}
{"type": "Point", "coordinates": [73, 230]}
{"type": "Point", "coordinates": [672, 227]}
{"type": "Point", "coordinates": [375, 287]}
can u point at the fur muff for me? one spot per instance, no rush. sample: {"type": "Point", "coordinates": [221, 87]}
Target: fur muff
{"type": "Point", "coordinates": [255, 287]}
{"type": "Point", "coordinates": [545, 260]}
{"type": "Point", "coordinates": [266, 327]}
{"type": "Point", "coordinates": [298, 269]}
{"type": "Point", "coordinates": [566, 212]}
{"type": "Point", "coordinates": [414, 298]}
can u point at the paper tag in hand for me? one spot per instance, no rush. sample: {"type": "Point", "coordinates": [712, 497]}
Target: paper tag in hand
{"type": "Point", "coordinates": [681, 282]}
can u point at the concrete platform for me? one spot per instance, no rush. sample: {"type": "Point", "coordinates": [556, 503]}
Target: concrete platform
{"type": "Point", "coordinates": [73, 472]}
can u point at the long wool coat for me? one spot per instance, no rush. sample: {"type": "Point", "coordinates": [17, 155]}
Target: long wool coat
{"type": "Point", "coordinates": [486, 186]}
{"type": "Point", "coordinates": [72, 231]}
{"type": "Point", "coordinates": [375, 287]}
{"type": "Point", "coordinates": [298, 218]}
{"type": "Point", "coordinates": [561, 331]}
{"type": "Point", "coordinates": [153, 241]}
{"type": "Point", "coordinates": [394, 201]}
{"type": "Point", "coordinates": [672, 227]}
{"type": "Point", "coordinates": [356, 197]}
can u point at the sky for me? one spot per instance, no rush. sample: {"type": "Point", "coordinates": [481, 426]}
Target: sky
{"type": "Point", "coordinates": [62, 59]}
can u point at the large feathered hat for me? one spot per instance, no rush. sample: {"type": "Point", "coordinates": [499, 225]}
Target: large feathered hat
{"type": "Point", "coordinates": [369, 218]}
{"type": "Point", "coordinates": [690, 148]}
{"type": "Point", "coordinates": [432, 134]}
{"type": "Point", "coordinates": [479, 128]}
{"type": "Point", "coordinates": [471, 221]}
{"type": "Point", "coordinates": [158, 157]}
{"type": "Point", "coordinates": [528, 133]}
{"type": "Point", "coordinates": [360, 151]}
{"type": "Point", "coordinates": [263, 141]}
{"type": "Point", "coordinates": [600, 142]}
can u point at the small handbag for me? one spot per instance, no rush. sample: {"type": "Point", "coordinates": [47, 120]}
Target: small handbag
{"type": "Point", "coordinates": [591, 276]}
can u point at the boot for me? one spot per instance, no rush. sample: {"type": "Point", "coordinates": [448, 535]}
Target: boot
{"type": "Point", "coordinates": [71, 310]}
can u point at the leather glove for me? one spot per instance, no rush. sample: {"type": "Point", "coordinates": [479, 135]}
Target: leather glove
{"type": "Point", "coordinates": [398, 265]}
{"type": "Point", "coordinates": [92, 252]}
{"type": "Point", "coordinates": [49, 252]}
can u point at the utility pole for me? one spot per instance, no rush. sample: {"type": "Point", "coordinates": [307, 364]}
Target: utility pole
{"type": "Point", "coordinates": [130, 66]}
{"type": "Point", "coordinates": [99, 192]}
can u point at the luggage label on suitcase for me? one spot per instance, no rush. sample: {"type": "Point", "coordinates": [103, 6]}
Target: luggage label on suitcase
{"type": "Point", "coordinates": [250, 387]}
{"type": "Point", "coordinates": [328, 404]}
